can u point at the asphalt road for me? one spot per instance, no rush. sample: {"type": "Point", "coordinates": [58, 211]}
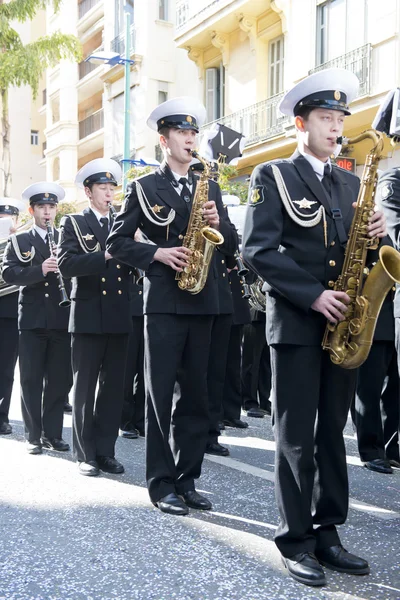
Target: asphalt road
{"type": "Point", "coordinates": [69, 537]}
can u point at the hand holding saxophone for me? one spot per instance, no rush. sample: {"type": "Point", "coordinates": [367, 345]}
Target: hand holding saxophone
{"type": "Point", "coordinates": [332, 305]}
{"type": "Point", "coordinates": [376, 224]}
{"type": "Point", "coordinates": [210, 214]}
{"type": "Point", "coordinates": [176, 257]}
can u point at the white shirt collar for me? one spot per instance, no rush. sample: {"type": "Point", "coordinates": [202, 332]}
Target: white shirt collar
{"type": "Point", "coordinates": [317, 165]}
{"type": "Point", "coordinates": [178, 177]}
{"type": "Point", "coordinates": [40, 231]}
{"type": "Point", "coordinates": [98, 215]}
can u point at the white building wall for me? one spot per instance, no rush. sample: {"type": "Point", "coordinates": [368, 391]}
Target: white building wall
{"type": "Point", "coordinates": [25, 158]}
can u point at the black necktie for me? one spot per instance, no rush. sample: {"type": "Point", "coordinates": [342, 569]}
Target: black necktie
{"type": "Point", "coordinates": [104, 229]}
{"type": "Point", "coordinates": [185, 192]}
{"type": "Point", "coordinates": [327, 179]}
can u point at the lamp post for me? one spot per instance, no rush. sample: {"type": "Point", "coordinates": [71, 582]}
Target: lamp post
{"type": "Point", "coordinates": [112, 59]}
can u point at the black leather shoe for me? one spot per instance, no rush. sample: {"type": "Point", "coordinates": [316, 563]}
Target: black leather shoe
{"type": "Point", "coordinates": [172, 504]}
{"type": "Point", "coordinates": [57, 444]}
{"type": "Point", "coordinates": [67, 407]}
{"type": "Point", "coordinates": [257, 413]}
{"type": "Point", "coordinates": [89, 468]}
{"type": "Point", "coordinates": [109, 464]}
{"type": "Point", "coordinates": [34, 447]}
{"type": "Point", "coordinates": [130, 434]}
{"type": "Point", "coordinates": [194, 500]}
{"type": "Point", "coordinates": [238, 423]}
{"type": "Point", "coordinates": [216, 449]}
{"type": "Point", "coordinates": [305, 568]}
{"type": "Point", "coordinates": [392, 461]}
{"type": "Point", "coordinates": [5, 429]}
{"type": "Point", "coordinates": [380, 465]}
{"type": "Point", "coordinates": [337, 558]}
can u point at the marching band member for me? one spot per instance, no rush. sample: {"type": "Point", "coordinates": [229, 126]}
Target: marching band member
{"type": "Point", "coordinates": [177, 323]}
{"type": "Point", "coordinates": [292, 240]}
{"type": "Point", "coordinates": [44, 343]}
{"type": "Point", "coordinates": [9, 211]}
{"type": "Point", "coordinates": [99, 322]}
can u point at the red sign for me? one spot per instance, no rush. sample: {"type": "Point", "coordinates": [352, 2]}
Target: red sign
{"type": "Point", "coordinates": [346, 163]}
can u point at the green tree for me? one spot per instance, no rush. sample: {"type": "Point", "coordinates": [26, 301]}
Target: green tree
{"type": "Point", "coordinates": [25, 64]}
{"type": "Point", "coordinates": [234, 187]}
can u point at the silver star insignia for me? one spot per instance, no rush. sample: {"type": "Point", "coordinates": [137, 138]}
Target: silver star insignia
{"type": "Point", "coordinates": [304, 203]}
{"type": "Point", "coordinates": [88, 237]}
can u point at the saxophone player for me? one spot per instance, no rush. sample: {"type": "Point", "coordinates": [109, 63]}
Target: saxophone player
{"type": "Point", "coordinates": [177, 324]}
{"type": "Point", "coordinates": [299, 215]}
{"type": "Point", "coordinates": [44, 342]}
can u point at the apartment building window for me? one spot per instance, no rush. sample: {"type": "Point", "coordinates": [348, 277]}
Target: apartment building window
{"type": "Point", "coordinates": [163, 10]}
{"type": "Point", "coordinates": [341, 27]}
{"type": "Point", "coordinates": [215, 88]}
{"type": "Point", "coordinates": [34, 137]}
{"type": "Point", "coordinates": [276, 59]}
{"type": "Point", "coordinates": [162, 91]}
{"type": "Point", "coordinates": [121, 7]}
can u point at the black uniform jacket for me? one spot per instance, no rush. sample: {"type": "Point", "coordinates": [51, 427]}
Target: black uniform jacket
{"type": "Point", "coordinates": [241, 307]}
{"type": "Point", "coordinates": [9, 306]}
{"type": "Point", "coordinates": [101, 290]}
{"type": "Point", "coordinates": [293, 259]}
{"type": "Point", "coordinates": [388, 197]}
{"type": "Point", "coordinates": [137, 300]}
{"type": "Point", "coordinates": [161, 292]}
{"type": "Point", "coordinates": [39, 295]}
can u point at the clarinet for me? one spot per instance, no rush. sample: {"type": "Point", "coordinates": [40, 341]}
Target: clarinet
{"type": "Point", "coordinates": [65, 301]}
{"type": "Point", "coordinates": [242, 272]}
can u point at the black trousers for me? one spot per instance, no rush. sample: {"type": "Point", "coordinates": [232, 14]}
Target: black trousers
{"type": "Point", "coordinates": [232, 396]}
{"type": "Point", "coordinates": [45, 368]}
{"type": "Point", "coordinates": [8, 359]}
{"type": "Point", "coordinates": [311, 400]}
{"type": "Point", "coordinates": [133, 407]}
{"type": "Point", "coordinates": [217, 363]}
{"type": "Point", "coordinates": [256, 367]}
{"type": "Point", "coordinates": [176, 359]}
{"type": "Point", "coordinates": [376, 429]}
{"type": "Point", "coordinates": [97, 359]}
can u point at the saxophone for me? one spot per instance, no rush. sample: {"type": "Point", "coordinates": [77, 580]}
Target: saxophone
{"type": "Point", "coordinates": [349, 341]}
{"type": "Point", "coordinates": [199, 238]}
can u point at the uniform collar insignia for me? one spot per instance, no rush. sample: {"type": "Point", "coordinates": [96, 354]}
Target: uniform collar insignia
{"type": "Point", "coordinates": [304, 203]}
{"type": "Point", "coordinates": [88, 237]}
{"type": "Point", "coordinates": [156, 208]}
{"type": "Point", "coordinates": [28, 253]}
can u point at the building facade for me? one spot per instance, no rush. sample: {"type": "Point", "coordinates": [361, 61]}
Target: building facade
{"type": "Point", "coordinates": [27, 123]}
{"type": "Point", "coordinates": [85, 103]}
{"type": "Point", "coordinates": [248, 52]}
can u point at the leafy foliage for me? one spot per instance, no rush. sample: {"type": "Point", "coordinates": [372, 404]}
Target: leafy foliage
{"type": "Point", "coordinates": [236, 188]}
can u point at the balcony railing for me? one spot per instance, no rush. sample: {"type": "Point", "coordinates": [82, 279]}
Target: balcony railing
{"type": "Point", "coordinates": [91, 124]}
{"type": "Point", "coordinates": [196, 11]}
{"type": "Point", "coordinates": [118, 43]}
{"type": "Point", "coordinates": [257, 122]}
{"type": "Point", "coordinates": [357, 61]}
{"type": "Point", "coordinates": [87, 67]}
{"type": "Point", "coordinates": [85, 6]}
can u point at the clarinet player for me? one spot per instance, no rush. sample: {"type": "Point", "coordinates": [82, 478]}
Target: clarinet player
{"type": "Point", "coordinates": [44, 342]}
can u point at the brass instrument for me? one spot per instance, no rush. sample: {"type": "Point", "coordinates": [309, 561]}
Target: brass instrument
{"type": "Point", "coordinates": [199, 238]}
{"type": "Point", "coordinates": [349, 341]}
{"type": "Point", "coordinates": [257, 298]}
{"type": "Point", "coordinates": [65, 301]}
